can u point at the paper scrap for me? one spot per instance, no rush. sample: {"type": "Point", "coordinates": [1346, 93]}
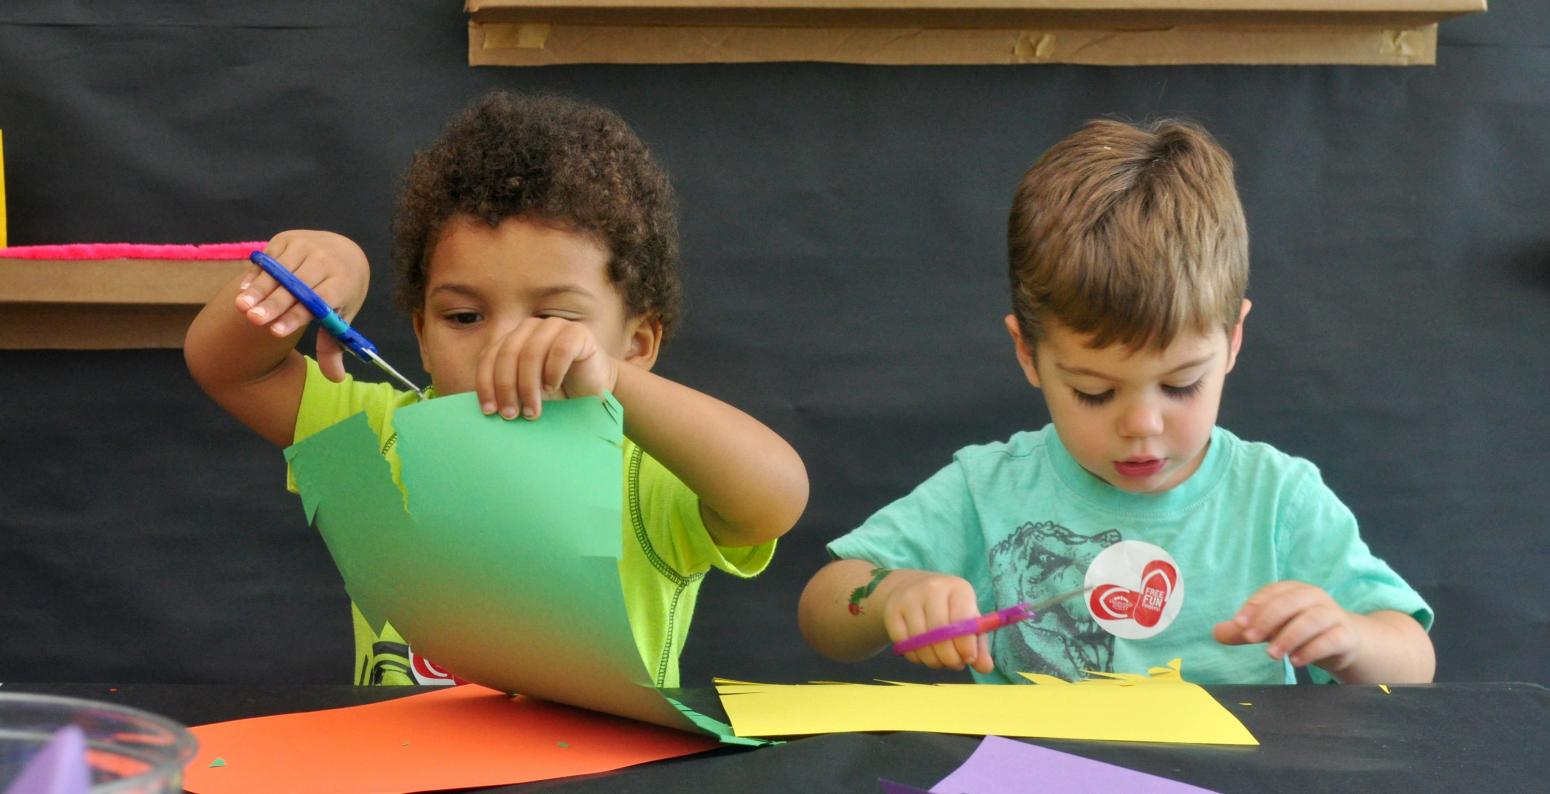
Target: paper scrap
{"type": "Point", "coordinates": [463, 737]}
{"type": "Point", "coordinates": [217, 762]}
{"type": "Point", "coordinates": [1007, 766]}
{"type": "Point", "coordinates": [58, 767]}
{"type": "Point", "coordinates": [1159, 707]}
{"type": "Point", "coordinates": [1384, 687]}
{"type": "Point", "coordinates": [499, 556]}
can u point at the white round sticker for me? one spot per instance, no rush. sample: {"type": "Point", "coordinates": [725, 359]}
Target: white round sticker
{"type": "Point", "coordinates": [1136, 589]}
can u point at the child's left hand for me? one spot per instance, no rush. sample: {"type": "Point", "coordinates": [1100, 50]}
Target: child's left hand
{"type": "Point", "coordinates": [1295, 619]}
{"type": "Point", "coordinates": [541, 356]}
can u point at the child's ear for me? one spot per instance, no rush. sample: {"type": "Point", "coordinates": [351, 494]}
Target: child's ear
{"type": "Point", "coordinates": [643, 341]}
{"type": "Point", "coordinates": [1024, 353]}
{"type": "Point", "coordinates": [1235, 342]}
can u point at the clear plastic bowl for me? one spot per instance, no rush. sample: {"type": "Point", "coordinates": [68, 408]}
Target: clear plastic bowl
{"type": "Point", "coordinates": [128, 751]}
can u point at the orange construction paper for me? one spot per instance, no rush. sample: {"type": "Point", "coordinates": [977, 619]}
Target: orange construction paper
{"type": "Point", "coordinates": [460, 737]}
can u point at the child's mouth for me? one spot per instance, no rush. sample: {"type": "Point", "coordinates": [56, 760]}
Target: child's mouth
{"type": "Point", "coordinates": [1138, 467]}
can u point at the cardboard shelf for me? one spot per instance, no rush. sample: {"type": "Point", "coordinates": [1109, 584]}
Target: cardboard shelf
{"type": "Point", "coordinates": [903, 32]}
{"type": "Point", "coordinates": [105, 303]}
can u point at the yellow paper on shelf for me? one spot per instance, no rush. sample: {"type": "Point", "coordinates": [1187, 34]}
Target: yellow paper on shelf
{"type": "Point", "coordinates": [1159, 707]}
{"type": "Point", "coordinates": [2, 189]}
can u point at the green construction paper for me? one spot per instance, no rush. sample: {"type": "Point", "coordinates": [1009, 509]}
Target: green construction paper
{"type": "Point", "coordinates": [504, 567]}
{"type": "Point", "coordinates": [217, 762]}
{"type": "Point", "coordinates": [718, 728]}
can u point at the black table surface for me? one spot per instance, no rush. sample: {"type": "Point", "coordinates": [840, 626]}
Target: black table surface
{"type": "Point", "coordinates": [1443, 737]}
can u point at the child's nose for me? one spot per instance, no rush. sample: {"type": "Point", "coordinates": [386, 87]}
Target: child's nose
{"type": "Point", "coordinates": [1141, 419]}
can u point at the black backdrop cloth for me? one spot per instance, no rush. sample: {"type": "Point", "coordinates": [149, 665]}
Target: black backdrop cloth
{"type": "Point", "coordinates": [843, 256]}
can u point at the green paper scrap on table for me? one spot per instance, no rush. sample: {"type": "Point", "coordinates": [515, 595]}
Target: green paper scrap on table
{"type": "Point", "coordinates": [499, 558]}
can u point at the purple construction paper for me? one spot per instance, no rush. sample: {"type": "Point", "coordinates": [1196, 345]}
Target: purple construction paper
{"type": "Point", "coordinates": [1005, 766]}
{"type": "Point", "coordinates": [58, 768]}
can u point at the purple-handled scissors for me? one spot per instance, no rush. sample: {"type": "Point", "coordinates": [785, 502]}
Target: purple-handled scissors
{"type": "Point", "coordinates": [982, 624]}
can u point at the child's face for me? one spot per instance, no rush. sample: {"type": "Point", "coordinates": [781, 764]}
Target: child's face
{"type": "Point", "coordinates": [1140, 421]}
{"type": "Point", "coordinates": [481, 283]}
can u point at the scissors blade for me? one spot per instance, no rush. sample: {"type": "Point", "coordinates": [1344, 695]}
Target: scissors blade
{"type": "Point", "coordinates": [1056, 599]}
{"type": "Point", "coordinates": [388, 368]}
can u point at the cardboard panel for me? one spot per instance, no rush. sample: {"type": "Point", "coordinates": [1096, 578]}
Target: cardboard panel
{"type": "Point", "coordinates": [1105, 32]}
{"type": "Point", "coordinates": [93, 326]}
{"type": "Point", "coordinates": [109, 303]}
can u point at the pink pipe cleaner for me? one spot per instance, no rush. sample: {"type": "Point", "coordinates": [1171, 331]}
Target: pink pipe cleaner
{"type": "Point", "coordinates": [132, 251]}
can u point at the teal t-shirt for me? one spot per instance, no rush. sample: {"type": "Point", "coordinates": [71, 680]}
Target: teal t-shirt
{"type": "Point", "coordinates": [1021, 520]}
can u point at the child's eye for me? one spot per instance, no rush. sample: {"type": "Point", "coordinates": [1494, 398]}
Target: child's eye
{"type": "Point", "coordinates": [1092, 399]}
{"type": "Point", "coordinates": [464, 318]}
{"type": "Point", "coordinates": [1184, 392]}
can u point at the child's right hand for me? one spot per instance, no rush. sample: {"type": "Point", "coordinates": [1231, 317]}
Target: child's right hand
{"type": "Point", "coordinates": [919, 601]}
{"type": "Point", "coordinates": [332, 265]}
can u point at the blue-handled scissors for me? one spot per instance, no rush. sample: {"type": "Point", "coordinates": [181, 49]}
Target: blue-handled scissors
{"type": "Point", "coordinates": [335, 325]}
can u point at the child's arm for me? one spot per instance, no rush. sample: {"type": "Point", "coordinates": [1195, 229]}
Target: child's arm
{"type": "Point", "coordinates": [241, 349]}
{"type": "Point", "coordinates": [751, 483]}
{"type": "Point", "coordinates": [1304, 622]}
{"type": "Point", "coordinates": [851, 609]}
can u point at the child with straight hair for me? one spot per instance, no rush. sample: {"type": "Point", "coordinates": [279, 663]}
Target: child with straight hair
{"type": "Point", "coordinates": [1128, 266]}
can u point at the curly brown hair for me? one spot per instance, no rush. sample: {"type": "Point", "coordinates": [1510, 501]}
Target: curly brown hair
{"type": "Point", "coordinates": [552, 159]}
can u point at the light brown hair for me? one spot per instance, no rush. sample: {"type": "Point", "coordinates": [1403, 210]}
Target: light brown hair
{"type": "Point", "coordinates": [1129, 234]}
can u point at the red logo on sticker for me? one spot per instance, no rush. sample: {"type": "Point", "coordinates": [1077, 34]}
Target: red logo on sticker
{"type": "Point", "coordinates": [1112, 602]}
{"type": "Point", "coordinates": [428, 672]}
{"type": "Point", "coordinates": [1157, 580]}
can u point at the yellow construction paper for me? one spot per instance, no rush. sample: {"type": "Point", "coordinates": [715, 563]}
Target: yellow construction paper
{"type": "Point", "coordinates": [1159, 707]}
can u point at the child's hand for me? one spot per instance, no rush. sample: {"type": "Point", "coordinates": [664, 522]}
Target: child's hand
{"type": "Point", "coordinates": [924, 601]}
{"type": "Point", "coordinates": [1298, 620]}
{"type": "Point", "coordinates": [542, 356]}
{"type": "Point", "coordinates": [332, 265]}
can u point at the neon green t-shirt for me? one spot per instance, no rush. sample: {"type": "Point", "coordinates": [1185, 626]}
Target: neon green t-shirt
{"type": "Point", "coordinates": [666, 547]}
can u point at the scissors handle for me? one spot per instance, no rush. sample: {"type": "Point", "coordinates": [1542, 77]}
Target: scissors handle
{"type": "Point", "coordinates": [984, 623]}
{"type": "Point", "coordinates": [963, 628]}
{"type": "Point", "coordinates": [358, 345]}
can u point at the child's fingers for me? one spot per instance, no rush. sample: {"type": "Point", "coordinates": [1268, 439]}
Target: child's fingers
{"type": "Point", "coordinates": [573, 343]}
{"type": "Point", "coordinates": [920, 621]}
{"type": "Point", "coordinates": [1228, 632]}
{"type": "Point", "coordinates": [256, 286]}
{"type": "Point", "coordinates": [330, 357]}
{"type": "Point", "coordinates": [914, 623]}
{"type": "Point", "coordinates": [497, 379]}
{"type": "Point", "coordinates": [1331, 648]}
{"type": "Point", "coordinates": [961, 605]}
{"type": "Point", "coordinates": [531, 363]}
{"type": "Point", "coordinates": [1299, 630]}
{"type": "Point", "coordinates": [1269, 609]}
{"type": "Point", "coordinates": [294, 319]}
{"type": "Point", "coordinates": [939, 613]}
{"type": "Point", "coordinates": [982, 661]}
{"type": "Point", "coordinates": [271, 306]}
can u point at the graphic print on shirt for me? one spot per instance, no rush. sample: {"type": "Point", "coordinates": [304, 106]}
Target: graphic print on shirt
{"type": "Point", "coordinates": [1035, 561]}
{"type": "Point", "coordinates": [1136, 590]}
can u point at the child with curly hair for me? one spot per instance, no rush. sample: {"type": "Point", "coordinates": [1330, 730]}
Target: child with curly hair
{"type": "Point", "coordinates": [536, 246]}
